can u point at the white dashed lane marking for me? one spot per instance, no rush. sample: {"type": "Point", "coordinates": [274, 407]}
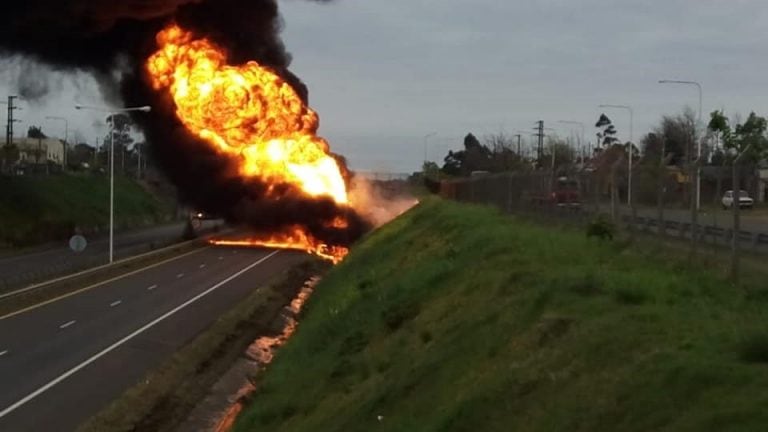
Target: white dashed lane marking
{"type": "Point", "coordinates": [115, 303]}
{"type": "Point", "coordinates": [67, 324]}
{"type": "Point", "coordinates": [180, 275]}
{"type": "Point", "coordinates": [2, 353]}
{"type": "Point", "coordinates": [151, 287]}
{"type": "Point", "coordinates": [202, 265]}
{"type": "Point", "coordinates": [13, 407]}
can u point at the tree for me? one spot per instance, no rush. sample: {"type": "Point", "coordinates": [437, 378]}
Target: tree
{"type": "Point", "coordinates": [453, 163]}
{"type": "Point", "coordinates": [719, 158]}
{"type": "Point", "coordinates": [81, 155]}
{"type": "Point", "coordinates": [564, 155]}
{"type": "Point", "coordinates": [679, 136]}
{"type": "Point", "coordinates": [607, 134]}
{"type": "Point", "coordinates": [474, 157]}
{"type": "Point", "coordinates": [122, 135]}
{"type": "Point", "coordinates": [745, 142]}
{"type": "Point", "coordinates": [504, 152]}
{"type": "Point", "coordinates": [36, 132]}
{"type": "Point", "coordinates": [430, 170]}
{"type": "Point", "coordinates": [477, 156]}
{"type": "Point", "coordinates": [10, 154]}
{"type": "Point", "coordinates": [653, 146]}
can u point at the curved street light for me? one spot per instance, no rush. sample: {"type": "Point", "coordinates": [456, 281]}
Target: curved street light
{"type": "Point", "coordinates": [112, 112]}
{"type": "Point", "coordinates": [698, 150]}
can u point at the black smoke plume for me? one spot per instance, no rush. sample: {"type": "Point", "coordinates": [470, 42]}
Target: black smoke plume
{"type": "Point", "coordinates": [107, 36]}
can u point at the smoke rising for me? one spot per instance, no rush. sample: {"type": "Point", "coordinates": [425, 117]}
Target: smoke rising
{"type": "Point", "coordinates": [378, 205]}
{"type": "Point", "coordinates": [112, 39]}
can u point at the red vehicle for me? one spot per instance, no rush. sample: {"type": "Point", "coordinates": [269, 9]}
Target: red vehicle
{"type": "Point", "coordinates": [564, 193]}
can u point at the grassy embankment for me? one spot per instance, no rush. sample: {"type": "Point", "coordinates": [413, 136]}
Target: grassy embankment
{"type": "Point", "coordinates": [40, 209]}
{"type": "Point", "coordinates": [456, 318]}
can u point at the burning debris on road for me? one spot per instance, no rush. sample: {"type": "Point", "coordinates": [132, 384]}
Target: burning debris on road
{"type": "Point", "coordinates": [231, 126]}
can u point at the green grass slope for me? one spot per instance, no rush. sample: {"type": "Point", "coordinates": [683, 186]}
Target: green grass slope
{"type": "Point", "coordinates": [457, 318]}
{"type": "Point", "coordinates": [39, 209]}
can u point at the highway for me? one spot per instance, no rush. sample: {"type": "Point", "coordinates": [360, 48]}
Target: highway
{"type": "Point", "coordinates": [19, 269]}
{"type": "Point", "coordinates": [63, 361]}
{"type": "Point", "coordinates": [721, 218]}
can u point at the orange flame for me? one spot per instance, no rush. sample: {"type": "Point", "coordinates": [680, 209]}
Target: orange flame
{"type": "Point", "coordinates": [296, 240]}
{"type": "Point", "coordinates": [250, 113]}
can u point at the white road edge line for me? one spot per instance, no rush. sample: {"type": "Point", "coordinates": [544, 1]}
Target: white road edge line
{"type": "Point", "coordinates": [98, 284]}
{"type": "Point", "coordinates": [95, 269]}
{"type": "Point", "coordinates": [150, 288]}
{"type": "Point", "coordinates": [122, 341]}
{"type": "Point", "coordinates": [67, 324]}
{"type": "Point", "coordinates": [115, 303]}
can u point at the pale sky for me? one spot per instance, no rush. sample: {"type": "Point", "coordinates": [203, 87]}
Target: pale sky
{"type": "Point", "coordinates": [384, 73]}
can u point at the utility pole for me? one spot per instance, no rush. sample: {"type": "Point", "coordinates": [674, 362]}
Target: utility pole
{"type": "Point", "coordinates": [9, 126]}
{"type": "Point", "coordinates": [519, 137]}
{"type": "Point", "coordinates": [138, 167]}
{"type": "Point", "coordinates": [540, 135]}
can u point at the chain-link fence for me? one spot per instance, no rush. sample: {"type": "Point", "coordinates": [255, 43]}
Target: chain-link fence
{"type": "Point", "coordinates": [662, 203]}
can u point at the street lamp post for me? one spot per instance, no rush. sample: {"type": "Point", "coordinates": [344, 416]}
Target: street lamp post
{"type": "Point", "coordinates": [698, 150]}
{"type": "Point", "coordinates": [426, 140]}
{"type": "Point", "coordinates": [112, 113]}
{"type": "Point", "coordinates": [631, 139]}
{"type": "Point", "coordinates": [66, 137]}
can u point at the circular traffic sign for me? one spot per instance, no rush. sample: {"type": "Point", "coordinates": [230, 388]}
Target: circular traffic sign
{"type": "Point", "coordinates": [77, 243]}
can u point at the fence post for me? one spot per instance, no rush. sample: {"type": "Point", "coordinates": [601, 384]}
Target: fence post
{"type": "Point", "coordinates": [615, 191]}
{"type": "Point", "coordinates": [736, 221]}
{"type": "Point", "coordinates": [693, 176]}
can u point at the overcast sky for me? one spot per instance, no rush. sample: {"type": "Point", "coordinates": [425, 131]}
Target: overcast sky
{"type": "Point", "coordinates": [384, 73]}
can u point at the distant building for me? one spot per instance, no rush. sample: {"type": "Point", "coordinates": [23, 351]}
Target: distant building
{"type": "Point", "coordinates": [34, 151]}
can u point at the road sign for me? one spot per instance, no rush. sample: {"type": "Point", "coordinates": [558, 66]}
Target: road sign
{"type": "Point", "coordinates": [77, 243]}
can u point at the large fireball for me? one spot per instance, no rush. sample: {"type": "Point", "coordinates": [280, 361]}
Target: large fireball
{"type": "Point", "coordinates": [249, 113]}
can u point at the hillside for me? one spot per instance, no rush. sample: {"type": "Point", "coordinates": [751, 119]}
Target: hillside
{"type": "Point", "coordinates": [457, 318]}
{"type": "Point", "coordinates": [41, 209]}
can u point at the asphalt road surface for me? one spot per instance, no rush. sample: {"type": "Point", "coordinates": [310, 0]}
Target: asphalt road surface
{"type": "Point", "coordinates": [719, 218]}
{"type": "Point", "coordinates": [17, 270]}
{"type": "Point", "coordinates": [62, 362]}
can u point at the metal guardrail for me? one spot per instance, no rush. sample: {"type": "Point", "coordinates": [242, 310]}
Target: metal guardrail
{"type": "Point", "coordinates": [683, 229]}
{"type": "Point", "coordinates": [15, 284]}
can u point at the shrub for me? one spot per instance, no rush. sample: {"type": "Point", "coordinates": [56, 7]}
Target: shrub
{"type": "Point", "coordinates": [602, 228]}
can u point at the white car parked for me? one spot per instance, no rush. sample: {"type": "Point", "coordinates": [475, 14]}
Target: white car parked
{"type": "Point", "coordinates": [744, 200]}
